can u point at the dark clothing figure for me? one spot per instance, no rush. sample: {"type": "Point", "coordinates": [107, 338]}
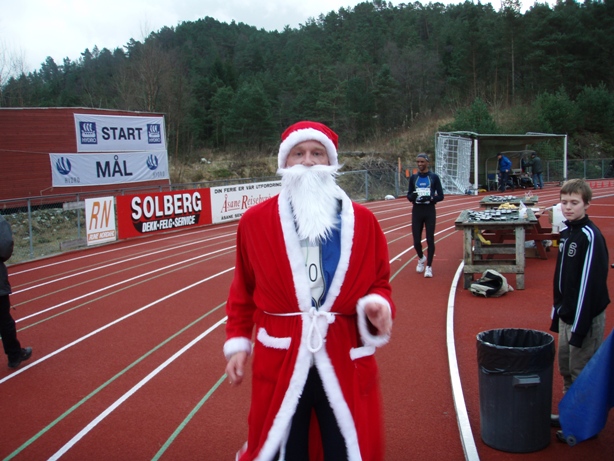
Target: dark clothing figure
{"type": "Point", "coordinates": [580, 278]}
{"type": "Point", "coordinates": [536, 169]}
{"type": "Point", "coordinates": [505, 168]}
{"type": "Point", "coordinates": [12, 347]}
{"type": "Point", "coordinates": [580, 296]}
{"type": "Point", "coordinates": [424, 192]}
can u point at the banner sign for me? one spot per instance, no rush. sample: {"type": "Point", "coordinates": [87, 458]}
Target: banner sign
{"type": "Point", "coordinates": [100, 220]}
{"type": "Point", "coordinates": [119, 133]}
{"type": "Point", "coordinates": [69, 170]}
{"type": "Point", "coordinates": [230, 202]}
{"type": "Point", "coordinates": [143, 214]}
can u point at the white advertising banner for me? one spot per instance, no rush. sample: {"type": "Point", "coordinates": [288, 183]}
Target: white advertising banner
{"type": "Point", "coordinates": [228, 203]}
{"type": "Point", "coordinates": [100, 220]}
{"type": "Point", "coordinates": [70, 170]}
{"type": "Point", "coordinates": [119, 133]}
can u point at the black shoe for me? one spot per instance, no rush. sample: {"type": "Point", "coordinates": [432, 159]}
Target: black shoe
{"type": "Point", "coordinates": [554, 421]}
{"type": "Point", "coordinates": [26, 353]}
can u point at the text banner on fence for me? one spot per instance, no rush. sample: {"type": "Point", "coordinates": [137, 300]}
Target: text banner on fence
{"type": "Point", "coordinates": [70, 170]}
{"type": "Point", "coordinates": [117, 133]}
{"type": "Point", "coordinates": [144, 214]}
{"type": "Point", "coordinates": [228, 203]}
{"type": "Point", "coordinates": [100, 220]}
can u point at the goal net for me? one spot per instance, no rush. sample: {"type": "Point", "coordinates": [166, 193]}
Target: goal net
{"type": "Point", "coordinates": [453, 163]}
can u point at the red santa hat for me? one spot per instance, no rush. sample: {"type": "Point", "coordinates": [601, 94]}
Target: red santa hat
{"type": "Point", "coordinates": [308, 131]}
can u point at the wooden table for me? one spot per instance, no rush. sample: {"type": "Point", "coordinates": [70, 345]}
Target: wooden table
{"type": "Point", "coordinates": [536, 233]}
{"type": "Point", "coordinates": [490, 202]}
{"type": "Point", "coordinates": [479, 256]}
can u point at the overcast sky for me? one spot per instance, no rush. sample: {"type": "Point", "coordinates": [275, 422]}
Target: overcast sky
{"type": "Point", "coordinates": [31, 30]}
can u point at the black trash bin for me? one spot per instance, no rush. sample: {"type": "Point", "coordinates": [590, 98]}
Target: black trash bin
{"type": "Point", "coordinates": [515, 385]}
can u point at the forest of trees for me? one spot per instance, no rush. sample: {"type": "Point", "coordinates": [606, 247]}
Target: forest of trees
{"type": "Point", "coordinates": [368, 71]}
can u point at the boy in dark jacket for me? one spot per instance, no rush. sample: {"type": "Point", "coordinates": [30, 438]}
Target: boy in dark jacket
{"type": "Point", "coordinates": [12, 347]}
{"type": "Point", "coordinates": [580, 284]}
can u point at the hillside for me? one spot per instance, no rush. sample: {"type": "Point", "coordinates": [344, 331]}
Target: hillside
{"type": "Point", "coordinates": [382, 151]}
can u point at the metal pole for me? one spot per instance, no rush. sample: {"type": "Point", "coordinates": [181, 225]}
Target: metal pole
{"type": "Point", "coordinates": [30, 229]}
{"type": "Point", "coordinates": [565, 160]}
{"type": "Point", "coordinates": [78, 220]}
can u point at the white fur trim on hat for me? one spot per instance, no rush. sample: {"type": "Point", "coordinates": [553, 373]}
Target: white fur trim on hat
{"type": "Point", "coordinates": [302, 135]}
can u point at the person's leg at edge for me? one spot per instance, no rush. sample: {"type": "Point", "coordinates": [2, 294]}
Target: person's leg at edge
{"type": "Point", "coordinates": [12, 347]}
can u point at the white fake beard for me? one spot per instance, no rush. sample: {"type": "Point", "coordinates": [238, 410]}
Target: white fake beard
{"type": "Point", "coordinates": [314, 196]}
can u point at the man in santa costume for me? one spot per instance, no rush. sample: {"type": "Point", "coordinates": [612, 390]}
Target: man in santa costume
{"type": "Point", "coordinates": [312, 285]}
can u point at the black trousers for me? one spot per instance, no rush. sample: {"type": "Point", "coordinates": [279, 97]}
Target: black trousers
{"type": "Point", "coordinates": [314, 398]}
{"type": "Point", "coordinates": [11, 345]}
{"type": "Point", "coordinates": [424, 216]}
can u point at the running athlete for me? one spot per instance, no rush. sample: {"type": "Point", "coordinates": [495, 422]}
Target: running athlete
{"type": "Point", "coordinates": [424, 192]}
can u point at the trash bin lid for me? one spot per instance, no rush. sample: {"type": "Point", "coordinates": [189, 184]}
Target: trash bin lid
{"type": "Point", "coordinates": [514, 350]}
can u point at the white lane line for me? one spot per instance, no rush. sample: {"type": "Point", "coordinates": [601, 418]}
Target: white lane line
{"type": "Point", "coordinates": [113, 250]}
{"type": "Point", "coordinates": [105, 266]}
{"type": "Point", "coordinates": [131, 392]}
{"type": "Point", "coordinates": [108, 325]}
{"type": "Point", "coordinates": [120, 283]}
{"type": "Point", "coordinates": [462, 417]}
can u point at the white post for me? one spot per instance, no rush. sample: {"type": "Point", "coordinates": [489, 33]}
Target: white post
{"type": "Point", "coordinates": [475, 167]}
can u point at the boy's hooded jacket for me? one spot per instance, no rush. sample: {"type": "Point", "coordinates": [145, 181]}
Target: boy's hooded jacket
{"type": "Point", "coordinates": [581, 273]}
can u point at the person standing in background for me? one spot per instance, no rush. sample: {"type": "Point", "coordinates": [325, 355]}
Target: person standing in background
{"type": "Point", "coordinates": [536, 169]}
{"type": "Point", "coordinates": [580, 285]}
{"type": "Point", "coordinates": [12, 348]}
{"type": "Point", "coordinates": [505, 168]}
{"type": "Point", "coordinates": [424, 192]}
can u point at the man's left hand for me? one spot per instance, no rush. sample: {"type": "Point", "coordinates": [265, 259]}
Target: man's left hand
{"type": "Point", "coordinates": [380, 317]}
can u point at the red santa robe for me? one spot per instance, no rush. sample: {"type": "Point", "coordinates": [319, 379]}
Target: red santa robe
{"type": "Point", "coordinates": [270, 292]}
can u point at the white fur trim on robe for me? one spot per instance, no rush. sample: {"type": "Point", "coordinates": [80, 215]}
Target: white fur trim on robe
{"type": "Point", "coordinates": [234, 345]}
{"type": "Point", "coordinates": [367, 337]}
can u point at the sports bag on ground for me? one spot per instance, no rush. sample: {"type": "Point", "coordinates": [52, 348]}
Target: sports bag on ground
{"type": "Point", "coordinates": [491, 285]}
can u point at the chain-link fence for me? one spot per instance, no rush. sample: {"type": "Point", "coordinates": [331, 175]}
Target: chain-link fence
{"type": "Point", "coordinates": [48, 225]}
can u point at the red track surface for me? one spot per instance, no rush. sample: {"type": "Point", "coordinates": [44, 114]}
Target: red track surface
{"type": "Point", "coordinates": [127, 339]}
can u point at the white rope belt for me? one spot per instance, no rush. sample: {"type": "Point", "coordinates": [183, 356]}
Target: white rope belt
{"type": "Point", "coordinates": [313, 333]}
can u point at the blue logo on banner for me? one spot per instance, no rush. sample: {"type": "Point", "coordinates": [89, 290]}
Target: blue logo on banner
{"type": "Point", "coordinates": [152, 162]}
{"type": "Point", "coordinates": [88, 132]}
{"type": "Point", "coordinates": [63, 166]}
{"type": "Point", "coordinates": [154, 135]}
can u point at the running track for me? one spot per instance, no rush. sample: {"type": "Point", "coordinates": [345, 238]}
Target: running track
{"type": "Point", "coordinates": [127, 340]}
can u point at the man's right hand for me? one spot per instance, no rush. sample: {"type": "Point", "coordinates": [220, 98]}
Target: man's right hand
{"type": "Point", "coordinates": [236, 367]}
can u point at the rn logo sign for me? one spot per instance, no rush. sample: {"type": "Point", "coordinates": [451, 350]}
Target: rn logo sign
{"type": "Point", "coordinates": [100, 220]}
